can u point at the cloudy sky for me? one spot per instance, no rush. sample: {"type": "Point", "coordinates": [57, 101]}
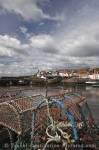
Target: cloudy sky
{"type": "Point", "coordinates": [48, 34]}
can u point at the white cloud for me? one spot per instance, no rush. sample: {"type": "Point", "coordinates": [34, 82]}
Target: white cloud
{"type": "Point", "coordinates": [43, 52]}
{"type": "Point", "coordinates": [77, 48]}
{"type": "Point", "coordinates": [45, 43]}
{"type": "Point", "coordinates": [10, 46]}
{"type": "Point", "coordinates": [27, 57]}
{"type": "Point", "coordinates": [27, 9]}
{"type": "Point", "coordinates": [41, 23]}
{"type": "Point", "coordinates": [75, 43]}
{"type": "Point", "coordinates": [82, 41]}
{"type": "Point", "coordinates": [41, 41]}
{"type": "Point", "coordinates": [23, 29]}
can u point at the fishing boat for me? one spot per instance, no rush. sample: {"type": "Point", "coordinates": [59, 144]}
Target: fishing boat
{"type": "Point", "coordinates": [96, 85]}
{"type": "Point", "coordinates": [91, 82]}
{"type": "Point", "coordinates": [73, 81]}
{"type": "Point", "coordinates": [53, 80]}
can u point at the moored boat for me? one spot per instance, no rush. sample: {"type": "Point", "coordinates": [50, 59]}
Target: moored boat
{"type": "Point", "coordinates": [92, 82]}
{"type": "Point", "coordinates": [96, 85]}
{"type": "Point", "coordinates": [73, 81]}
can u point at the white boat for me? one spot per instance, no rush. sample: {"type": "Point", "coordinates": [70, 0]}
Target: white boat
{"type": "Point", "coordinates": [91, 82]}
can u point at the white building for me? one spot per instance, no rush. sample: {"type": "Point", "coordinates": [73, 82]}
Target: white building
{"type": "Point", "coordinates": [63, 74]}
{"type": "Point", "coordinates": [94, 76]}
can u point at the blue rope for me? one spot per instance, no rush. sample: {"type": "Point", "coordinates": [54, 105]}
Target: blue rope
{"type": "Point", "coordinates": [70, 117]}
{"type": "Point", "coordinates": [72, 120]}
{"type": "Point", "coordinates": [60, 103]}
{"type": "Point", "coordinates": [74, 124]}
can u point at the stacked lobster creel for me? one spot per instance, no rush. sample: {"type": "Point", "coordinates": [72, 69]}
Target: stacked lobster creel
{"type": "Point", "coordinates": [61, 124]}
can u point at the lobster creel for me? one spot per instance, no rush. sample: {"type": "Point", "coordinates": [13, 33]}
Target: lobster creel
{"type": "Point", "coordinates": [64, 122]}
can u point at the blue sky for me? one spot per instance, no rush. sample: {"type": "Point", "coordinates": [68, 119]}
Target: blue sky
{"type": "Point", "coordinates": [48, 34]}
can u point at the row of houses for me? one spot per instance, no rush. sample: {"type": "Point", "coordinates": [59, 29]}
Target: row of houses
{"type": "Point", "coordinates": [67, 73]}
